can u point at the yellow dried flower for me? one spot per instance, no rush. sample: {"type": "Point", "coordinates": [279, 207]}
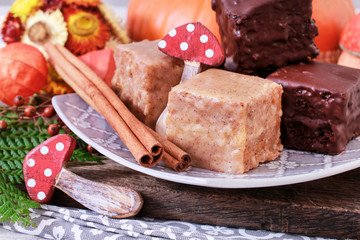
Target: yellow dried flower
{"type": "Point", "coordinates": [55, 85]}
{"type": "Point", "coordinates": [24, 8]}
{"type": "Point", "coordinates": [115, 24]}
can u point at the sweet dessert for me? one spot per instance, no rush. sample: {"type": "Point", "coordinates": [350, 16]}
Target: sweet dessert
{"type": "Point", "coordinates": [226, 121]}
{"type": "Point", "coordinates": [266, 34]}
{"type": "Point", "coordinates": [321, 105]}
{"type": "Point", "coordinates": [144, 77]}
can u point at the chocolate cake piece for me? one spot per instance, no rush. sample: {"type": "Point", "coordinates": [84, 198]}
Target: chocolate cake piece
{"type": "Point", "coordinates": [261, 35]}
{"type": "Point", "coordinates": [321, 106]}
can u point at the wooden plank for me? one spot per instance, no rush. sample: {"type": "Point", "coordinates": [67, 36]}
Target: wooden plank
{"type": "Point", "coordinates": [328, 207]}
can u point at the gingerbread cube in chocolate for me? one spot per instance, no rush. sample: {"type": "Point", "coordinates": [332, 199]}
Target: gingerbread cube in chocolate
{"type": "Point", "coordinates": [263, 35]}
{"type": "Point", "coordinates": [143, 78]}
{"type": "Point", "coordinates": [321, 105]}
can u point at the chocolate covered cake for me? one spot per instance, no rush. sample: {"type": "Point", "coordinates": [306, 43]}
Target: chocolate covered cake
{"type": "Point", "coordinates": [260, 35]}
{"type": "Point", "coordinates": [321, 106]}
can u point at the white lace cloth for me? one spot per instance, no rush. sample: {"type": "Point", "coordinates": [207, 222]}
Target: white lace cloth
{"type": "Point", "coordinates": [68, 223]}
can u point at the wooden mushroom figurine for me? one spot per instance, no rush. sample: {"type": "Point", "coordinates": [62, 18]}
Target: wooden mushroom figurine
{"type": "Point", "coordinates": [196, 45]}
{"type": "Point", "coordinates": [350, 43]}
{"type": "Point", "coordinates": [44, 170]}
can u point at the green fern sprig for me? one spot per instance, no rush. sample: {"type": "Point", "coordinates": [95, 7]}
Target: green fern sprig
{"type": "Point", "coordinates": [15, 204]}
{"type": "Point", "coordinates": [19, 138]}
{"type": "Point", "coordinates": [13, 176]}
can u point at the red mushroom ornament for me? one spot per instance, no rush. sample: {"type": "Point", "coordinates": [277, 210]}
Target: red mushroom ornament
{"type": "Point", "coordinates": [44, 169]}
{"type": "Point", "coordinates": [196, 45]}
{"type": "Point", "coordinates": [350, 36]}
{"type": "Point", "coordinates": [350, 43]}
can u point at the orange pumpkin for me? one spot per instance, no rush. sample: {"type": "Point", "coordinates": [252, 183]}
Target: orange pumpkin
{"type": "Point", "coordinates": [154, 19]}
{"type": "Point", "coordinates": [330, 17]}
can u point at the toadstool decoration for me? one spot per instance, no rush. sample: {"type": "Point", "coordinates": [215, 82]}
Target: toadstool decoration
{"type": "Point", "coordinates": [350, 43]}
{"type": "Point", "coordinates": [44, 169]}
{"type": "Point", "coordinates": [196, 45]}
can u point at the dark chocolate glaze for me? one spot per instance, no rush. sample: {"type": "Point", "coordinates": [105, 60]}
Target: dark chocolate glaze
{"type": "Point", "coordinates": [260, 35]}
{"type": "Point", "coordinates": [321, 106]}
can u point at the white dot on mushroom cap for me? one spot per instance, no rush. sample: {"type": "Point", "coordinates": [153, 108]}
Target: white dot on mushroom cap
{"type": "Point", "coordinates": [31, 162]}
{"type": "Point", "coordinates": [209, 53]}
{"type": "Point", "coordinates": [44, 150]}
{"type": "Point", "coordinates": [184, 46]}
{"type": "Point", "coordinates": [204, 38]}
{"type": "Point", "coordinates": [190, 27]}
{"type": "Point", "coordinates": [59, 146]}
{"type": "Point", "coordinates": [31, 183]}
{"type": "Point", "coordinates": [41, 195]}
{"type": "Point", "coordinates": [48, 172]}
{"type": "Point", "coordinates": [172, 33]}
{"type": "Point", "coordinates": [162, 44]}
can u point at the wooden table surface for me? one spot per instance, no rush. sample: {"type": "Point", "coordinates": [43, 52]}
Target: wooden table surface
{"type": "Point", "coordinates": [328, 207]}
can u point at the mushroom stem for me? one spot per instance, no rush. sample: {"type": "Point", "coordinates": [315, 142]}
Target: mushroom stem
{"type": "Point", "coordinates": [110, 200]}
{"type": "Point", "coordinates": [357, 54]}
{"type": "Point", "coordinates": [191, 68]}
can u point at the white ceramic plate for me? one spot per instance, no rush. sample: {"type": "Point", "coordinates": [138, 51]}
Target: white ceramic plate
{"type": "Point", "coordinates": [291, 167]}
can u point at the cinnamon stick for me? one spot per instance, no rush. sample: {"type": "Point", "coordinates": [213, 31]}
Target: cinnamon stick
{"type": "Point", "coordinates": [174, 157]}
{"type": "Point", "coordinates": [174, 163]}
{"type": "Point", "coordinates": [139, 129]}
{"type": "Point", "coordinates": [90, 93]}
{"type": "Point", "coordinates": [75, 87]}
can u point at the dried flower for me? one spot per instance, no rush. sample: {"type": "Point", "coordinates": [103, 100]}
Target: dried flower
{"type": "Point", "coordinates": [12, 29]}
{"type": "Point", "coordinates": [115, 24]}
{"type": "Point", "coordinates": [24, 8]}
{"type": "Point", "coordinates": [55, 85]}
{"type": "Point", "coordinates": [88, 31]}
{"type": "Point", "coordinates": [45, 27]}
{"type": "Point", "coordinates": [86, 3]}
{"type": "Point", "coordinates": [51, 5]}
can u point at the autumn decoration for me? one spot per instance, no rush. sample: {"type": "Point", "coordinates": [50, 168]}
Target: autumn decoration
{"type": "Point", "coordinates": [23, 71]}
{"type": "Point", "coordinates": [82, 26]}
{"type": "Point", "coordinates": [350, 43]}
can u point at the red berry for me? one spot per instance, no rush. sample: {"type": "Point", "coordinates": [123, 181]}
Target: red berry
{"type": "Point", "coordinates": [49, 112]}
{"type": "Point", "coordinates": [3, 125]}
{"type": "Point", "coordinates": [19, 100]}
{"type": "Point", "coordinates": [90, 149]}
{"type": "Point", "coordinates": [53, 129]}
{"type": "Point", "coordinates": [30, 111]}
{"type": "Point", "coordinates": [60, 122]}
